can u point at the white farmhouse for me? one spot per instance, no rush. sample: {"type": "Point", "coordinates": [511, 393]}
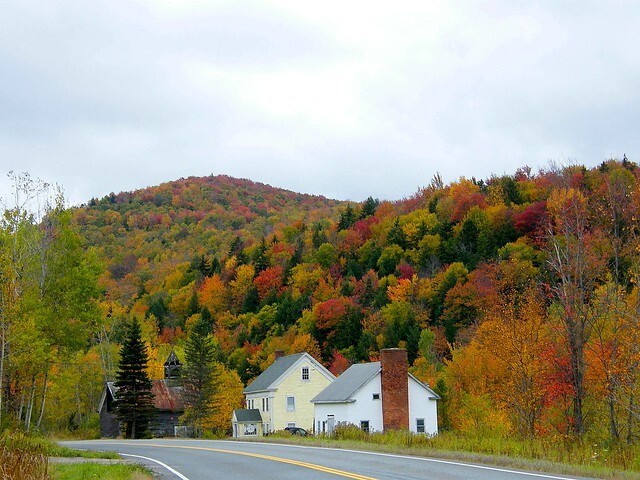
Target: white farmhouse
{"type": "Point", "coordinates": [378, 396]}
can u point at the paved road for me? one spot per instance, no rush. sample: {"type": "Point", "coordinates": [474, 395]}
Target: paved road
{"type": "Point", "coordinates": [230, 460]}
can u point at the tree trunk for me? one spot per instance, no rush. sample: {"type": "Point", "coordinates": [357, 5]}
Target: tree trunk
{"type": "Point", "coordinates": [21, 407]}
{"type": "Point", "coordinates": [44, 397]}
{"type": "Point", "coordinates": [79, 406]}
{"type": "Point", "coordinates": [630, 419]}
{"type": "Point", "coordinates": [105, 353]}
{"type": "Point", "coordinates": [32, 398]}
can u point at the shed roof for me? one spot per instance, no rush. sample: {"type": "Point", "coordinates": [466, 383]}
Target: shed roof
{"type": "Point", "coordinates": [347, 384]}
{"type": "Point", "coordinates": [248, 415]}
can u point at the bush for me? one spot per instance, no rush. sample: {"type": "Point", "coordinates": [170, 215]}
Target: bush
{"type": "Point", "coordinates": [349, 431]}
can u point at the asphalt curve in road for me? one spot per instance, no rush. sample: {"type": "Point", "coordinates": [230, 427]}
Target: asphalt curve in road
{"type": "Point", "coordinates": [232, 460]}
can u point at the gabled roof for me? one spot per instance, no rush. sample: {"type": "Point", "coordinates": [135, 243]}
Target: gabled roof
{"type": "Point", "coordinates": [169, 398]}
{"type": "Point", "coordinates": [432, 395]}
{"type": "Point", "coordinates": [247, 415]}
{"type": "Point", "coordinates": [267, 379]}
{"type": "Point", "coordinates": [343, 389]}
{"type": "Point", "coordinates": [165, 397]}
{"type": "Point", "coordinates": [346, 385]}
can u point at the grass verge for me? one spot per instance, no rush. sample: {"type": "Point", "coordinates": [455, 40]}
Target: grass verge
{"type": "Point", "coordinates": [94, 471]}
{"type": "Point", "coordinates": [563, 458]}
{"type": "Point", "coordinates": [27, 458]}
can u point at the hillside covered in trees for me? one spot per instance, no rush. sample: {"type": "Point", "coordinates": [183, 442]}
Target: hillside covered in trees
{"type": "Point", "coordinates": [515, 296]}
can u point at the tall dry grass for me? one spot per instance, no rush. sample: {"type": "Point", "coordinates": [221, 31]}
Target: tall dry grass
{"type": "Point", "coordinates": [22, 459]}
{"type": "Point", "coordinates": [557, 449]}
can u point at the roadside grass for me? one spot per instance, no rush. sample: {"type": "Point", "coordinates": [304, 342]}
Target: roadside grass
{"type": "Point", "coordinates": [24, 457]}
{"type": "Point", "coordinates": [553, 455]}
{"type": "Point", "coordinates": [94, 471]}
{"type": "Point", "coordinates": [54, 449]}
{"type": "Point", "coordinates": [20, 458]}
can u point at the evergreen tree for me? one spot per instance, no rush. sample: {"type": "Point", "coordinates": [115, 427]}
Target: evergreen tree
{"type": "Point", "coordinates": [396, 235]}
{"type": "Point", "coordinates": [348, 218]}
{"type": "Point", "coordinates": [134, 399]}
{"type": "Point", "coordinates": [369, 207]}
{"type": "Point", "coordinates": [237, 249]}
{"type": "Point", "coordinates": [260, 260]}
{"type": "Point", "coordinates": [198, 376]}
{"type": "Point", "coordinates": [194, 305]}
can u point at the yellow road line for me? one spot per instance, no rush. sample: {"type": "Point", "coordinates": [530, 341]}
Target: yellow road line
{"type": "Point", "coordinates": [312, 466]}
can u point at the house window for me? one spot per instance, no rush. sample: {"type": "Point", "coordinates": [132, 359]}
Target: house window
{"type": "Point", "coordinates": [420, 425]}
{"type": "Point", "coordinates": [291, 404]}
{"type": "Point", "coordinates": [266, 404]}
{"type": "Point", "coordinates": [364, 425]}
{"type": "Point", "coordinates": [376, 396]}
{"type": "Point", "coordinates": [305, 374]}
{"type": "Point", "coordinates": [263, 405]}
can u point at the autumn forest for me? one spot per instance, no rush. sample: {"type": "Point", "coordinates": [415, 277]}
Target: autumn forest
{"type": "Point", "coordinates": [517, 296]}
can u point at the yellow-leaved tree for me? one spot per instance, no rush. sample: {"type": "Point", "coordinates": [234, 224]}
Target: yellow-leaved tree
{"type": "Point", "coordinates": [228, 397]}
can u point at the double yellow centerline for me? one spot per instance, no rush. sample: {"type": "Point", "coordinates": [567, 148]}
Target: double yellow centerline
{"type": "Point", "coordinates": [312, 466]}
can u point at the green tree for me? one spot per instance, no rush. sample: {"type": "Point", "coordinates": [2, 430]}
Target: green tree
{"type": "Point", "coordinates": [369, 207]}
{"type": "Point", "coordinates": [17, 233]}
{"type": "Point", "coordinates": [199, 377]}
{"type": "Point", "coordinates": [134, 398]}
{"type": "Point", "coordinates": [396, 235]}
{"type": "Point", "coordinates": [347, 218]}
{"type": "Point", "coordinates": [260, 260]}
{"type": "Point", "coordinates": [326, 255]}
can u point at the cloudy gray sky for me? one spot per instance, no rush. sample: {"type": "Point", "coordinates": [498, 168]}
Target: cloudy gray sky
{"type": "Point", "coordinates": [340, 98]}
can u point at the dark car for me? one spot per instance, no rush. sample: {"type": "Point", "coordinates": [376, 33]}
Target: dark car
{"type": "Point", "coordinates": [296, 431]}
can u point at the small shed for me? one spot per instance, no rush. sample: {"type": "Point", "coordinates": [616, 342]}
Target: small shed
{"type": "Point", "coordinates": [247, 422]}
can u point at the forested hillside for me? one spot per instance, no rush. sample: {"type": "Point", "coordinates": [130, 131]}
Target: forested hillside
{"type": "Point", "coordinates": [515, 296]}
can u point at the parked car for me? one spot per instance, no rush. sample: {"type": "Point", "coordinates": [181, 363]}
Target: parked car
{"type": "Point", "coordinates": [296, 431]}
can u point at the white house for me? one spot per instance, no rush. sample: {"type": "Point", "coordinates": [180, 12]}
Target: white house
{"type": "Point", "coordinates": [281, 395]}
{"type": "Point", "coordinates": [378, 396]}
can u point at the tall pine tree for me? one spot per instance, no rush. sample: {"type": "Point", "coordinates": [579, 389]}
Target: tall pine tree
{"type": "Point", "coordinates": [199, 377]}
{"type": "Point", "coordinates": [134, 399]}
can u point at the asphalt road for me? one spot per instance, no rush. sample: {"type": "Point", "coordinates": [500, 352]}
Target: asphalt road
{"type": "Point", "coordinates": [231, 460]}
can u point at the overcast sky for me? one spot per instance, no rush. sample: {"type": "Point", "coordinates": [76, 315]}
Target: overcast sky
{"type": "Point", "coordinates": [339, 98]}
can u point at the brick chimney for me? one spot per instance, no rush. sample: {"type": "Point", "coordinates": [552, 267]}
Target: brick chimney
{"type": "Point", "coordinates": [278, 354]}
{"type": "Point", "coordinates": [395, 389]}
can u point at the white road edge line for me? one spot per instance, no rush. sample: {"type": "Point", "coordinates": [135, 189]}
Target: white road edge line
{"type": "Point", "coordinates": [423, 459]}
{"type": "Point", "coordinates": [172, 470]}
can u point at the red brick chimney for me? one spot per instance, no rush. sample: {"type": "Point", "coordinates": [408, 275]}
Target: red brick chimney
{"type": "Point", "coordinates": [395, 389]}
{"type": "Point", "coordinates": [278, 354]}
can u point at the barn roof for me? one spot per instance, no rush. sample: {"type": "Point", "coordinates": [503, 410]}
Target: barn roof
{"type": "Point", "coordinates": [165, 398]}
